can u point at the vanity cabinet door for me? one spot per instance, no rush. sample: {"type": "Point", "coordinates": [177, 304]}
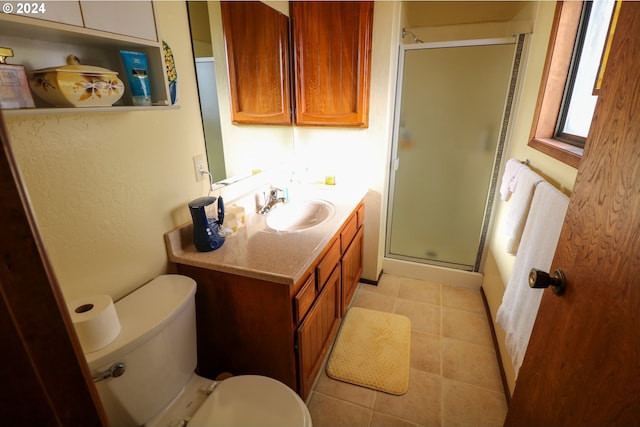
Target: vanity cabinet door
{"type": "Point", "coordinates": [332, 57]}
{"type": "Point", "coordinates": [318, 328]}
{"type": "Point", "coordinates": [352, 269]}
{"type": "Point", "coordinates": [257, 45]}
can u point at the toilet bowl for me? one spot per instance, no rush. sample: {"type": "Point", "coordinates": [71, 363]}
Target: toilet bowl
{"type": "Point", "coordinates": [146, 375]}
{"type": "Point", "coordinates": [245, 400]}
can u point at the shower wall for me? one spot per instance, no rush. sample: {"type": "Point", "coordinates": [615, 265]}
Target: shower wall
{"type": "Point", "coordinates": [449, 118]}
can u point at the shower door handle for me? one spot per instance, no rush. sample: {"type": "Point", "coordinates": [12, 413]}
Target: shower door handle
{"type": "Point", "coordinates": [542, 279]}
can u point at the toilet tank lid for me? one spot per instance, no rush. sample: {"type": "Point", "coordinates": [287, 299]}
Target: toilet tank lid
{"type": "Point", "coordinates": [143, 313]}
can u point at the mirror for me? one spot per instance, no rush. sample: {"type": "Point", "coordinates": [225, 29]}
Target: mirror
{"type": "Point", "coordinates": [233, 151]}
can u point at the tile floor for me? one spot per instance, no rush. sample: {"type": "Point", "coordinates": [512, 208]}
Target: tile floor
{"type": "Point", "coordinates": [454, 380]}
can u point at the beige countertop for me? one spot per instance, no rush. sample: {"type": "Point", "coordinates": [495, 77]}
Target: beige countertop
{"type": "Point", "coordinates": [257, 251]}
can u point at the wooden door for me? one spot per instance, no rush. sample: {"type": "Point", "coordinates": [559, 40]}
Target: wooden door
{"type": "Point", "coordinates": [332, 56]}
{"type": "Point", "coordinates": [582, 366]}
{"type": "Point", "coordinates": [257, 42]}
{"type": "Point", "coordinates": [44, 378]}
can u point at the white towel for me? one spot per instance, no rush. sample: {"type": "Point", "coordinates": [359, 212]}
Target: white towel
{"type": "Point", "coordinates": [513, 224]}
{"type": "Point", "coordinates": [512, 170]}
{"type": "Point", "coordinates": [517, 313]}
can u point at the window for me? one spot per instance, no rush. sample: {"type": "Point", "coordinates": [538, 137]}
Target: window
{"type": "Point", "coordinates": [580, 92]}
{"type": "Point", "coordinates": [568, 93]}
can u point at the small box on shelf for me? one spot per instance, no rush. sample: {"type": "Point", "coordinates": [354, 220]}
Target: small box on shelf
{"type": "Point", "coordinates": [14, 85]}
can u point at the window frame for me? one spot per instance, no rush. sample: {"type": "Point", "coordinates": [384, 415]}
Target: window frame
{"type": "Point", "coordinates": [564, 31]}
{"type": "Point", "coordinates": [560, 134]}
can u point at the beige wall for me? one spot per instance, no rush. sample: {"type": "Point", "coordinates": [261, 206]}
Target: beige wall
{"type": "Point", "coordinates": [498, 263]}
{"type": "Point", "coordinates": [106, 186]}
{"type": "Point", "coordinates": [442, 20]}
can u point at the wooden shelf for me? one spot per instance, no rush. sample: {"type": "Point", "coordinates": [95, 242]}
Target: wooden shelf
{"type": "Point", "coordinates": [41, 44]}
{"type": "Point", "coordinates": [85, 110]}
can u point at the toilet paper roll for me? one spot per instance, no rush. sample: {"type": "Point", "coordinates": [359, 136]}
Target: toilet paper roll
{"type": "Point", "coordinates": [95, 321]}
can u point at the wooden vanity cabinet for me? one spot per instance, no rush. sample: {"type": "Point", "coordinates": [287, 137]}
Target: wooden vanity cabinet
{"type": "Point", "coordinates": [314, 335]}
{"type": "Point", "coordinates": [252, 326]}
{"type": "Point", "coordinates": [257, 46]}
{"type": "Point", "coordinates": [345, 260]}
{"type": "Point", "coordinates": [332, 61]}
{"type": "Point", "coordinates": [244, 326]}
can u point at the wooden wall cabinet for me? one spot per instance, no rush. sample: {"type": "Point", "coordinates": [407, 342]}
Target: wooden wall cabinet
{"type": "Point", "coordinates": [332, 62]}
{"type": "Point", "coordinates": [257, 43]}
{"type": "Point", "coordinates": [252, 326]}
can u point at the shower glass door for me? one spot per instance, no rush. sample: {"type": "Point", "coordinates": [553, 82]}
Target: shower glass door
{"type": "Point", "coordinates": [449, 120]}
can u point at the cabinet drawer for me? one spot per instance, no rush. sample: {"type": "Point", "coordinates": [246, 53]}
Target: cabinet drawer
{"type": "Point", "coordinates": [328, 263]}
{"type": "Point", "coordinates": [304, 299]}
{"type": "Point", "coordinates": [349, 230]}
{"type": "Point", "coordinates": [360, 216]}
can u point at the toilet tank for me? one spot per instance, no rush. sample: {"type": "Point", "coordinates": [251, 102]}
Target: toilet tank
{"type": "Point", "coordinates": [157, 344]}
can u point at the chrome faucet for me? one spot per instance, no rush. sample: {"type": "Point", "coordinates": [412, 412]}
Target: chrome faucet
{"type": "Point", "coordinates": [271, 200]}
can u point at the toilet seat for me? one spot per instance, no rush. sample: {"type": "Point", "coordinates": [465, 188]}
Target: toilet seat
{"type": "Point", "coordinates": [252, 400]}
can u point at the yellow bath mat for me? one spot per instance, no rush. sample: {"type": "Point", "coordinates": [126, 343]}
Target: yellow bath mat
{"type": "Point", "coordinates": [372, 350]}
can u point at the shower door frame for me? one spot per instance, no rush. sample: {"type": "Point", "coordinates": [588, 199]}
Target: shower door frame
{"type": "Point", "coordinates": [519, 41]}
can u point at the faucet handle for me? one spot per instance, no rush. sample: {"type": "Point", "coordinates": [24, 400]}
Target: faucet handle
{"type": "Point", "coordinates": [274, 193]}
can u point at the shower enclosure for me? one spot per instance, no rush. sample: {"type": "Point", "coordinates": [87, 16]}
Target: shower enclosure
{"type": "Point", "coordinates": [452, 111]}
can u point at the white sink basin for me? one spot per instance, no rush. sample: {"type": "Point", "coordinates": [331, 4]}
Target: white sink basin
{"type": "Point", "coordinates": [299, 215]}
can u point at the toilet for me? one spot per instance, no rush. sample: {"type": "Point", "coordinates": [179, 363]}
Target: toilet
{"type": "Point", "coordinates": [146, 377]}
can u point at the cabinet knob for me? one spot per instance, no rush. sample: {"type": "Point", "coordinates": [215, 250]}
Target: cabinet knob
{"type": "Point", "coordinates": [542, 279]}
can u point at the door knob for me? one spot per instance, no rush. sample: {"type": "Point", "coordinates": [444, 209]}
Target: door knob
{"type": "Point", "coordinates": [542, 279]}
